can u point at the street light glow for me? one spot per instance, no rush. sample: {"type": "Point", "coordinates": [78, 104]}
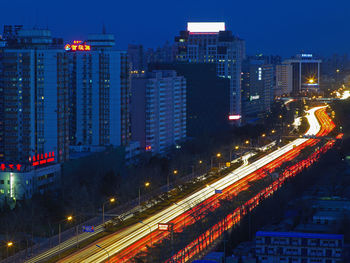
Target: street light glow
{"type": "Point", "coordinates": [246, 142]}
{"type": "Point", "coordinates": [147, 184]}
{"type": "Point", "coordinates": [218, 155]}
{"type": "Point", "coordinates": [175, 171]}
{"type": "Point", "coordinates": [112, 200]}
{"type": "Point", "coordinates": [69, 218]}
{"type": "Point", "coordinates": [9, 244]}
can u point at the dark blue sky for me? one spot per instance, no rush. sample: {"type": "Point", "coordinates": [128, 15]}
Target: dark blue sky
{"type": "Point", "coordinates": [269, 26]}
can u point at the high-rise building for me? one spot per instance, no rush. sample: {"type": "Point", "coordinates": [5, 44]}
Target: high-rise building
{"type": "Point", "coordinates": [34, 92]}
{"type": "Point", "coordinates": [257, 87]}
{"type": "Point", "coordinates": [158, 110]}
{"type": "Point", "coordinates": [136, 57]}
{"type": "Point", "coordinates": [305, 73]}
{"type": "Point", "coordinates": [284, 80]}
{"type": "Point", "coordinates": [34, 134]}
{"type": "Point", "coordinates": [99, 93]}
{"type": "Point", "coordinates": [212, 43]}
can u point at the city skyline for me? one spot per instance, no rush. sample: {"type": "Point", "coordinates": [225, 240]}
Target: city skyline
{"type": "Point", "coordinates": [269, 28]}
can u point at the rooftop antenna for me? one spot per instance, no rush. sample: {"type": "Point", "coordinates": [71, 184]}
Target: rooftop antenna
{"type": "Point", "coordinates": [103, 29]}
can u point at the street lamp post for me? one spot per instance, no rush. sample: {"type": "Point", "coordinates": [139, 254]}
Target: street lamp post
{"type": "Point", "coordinates": [104, 250]}
{"type": "Point", "coordinates": [8, 245]}
{"type": "Point", "coordinates": [168, 179]}
{"type": "Point", "coordinates": [218, 155]}
{"type": "Point", "coordinates": [147, 184]}
{"type": "Point", "coordinates": [111, 200]}
{"type": "Point", "coordinates": [69, 218]}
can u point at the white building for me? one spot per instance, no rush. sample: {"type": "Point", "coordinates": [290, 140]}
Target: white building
{"type": "Point", "coordinates": [284, 79]}
{"type": "Point", "coordinates": [34, 110]}
{"type": "Point", "coordinates": [99, 93]}
{"type": "Point", "coordinates": [158, 110]}
{"type": "Point", "coordinates": [212, 43]}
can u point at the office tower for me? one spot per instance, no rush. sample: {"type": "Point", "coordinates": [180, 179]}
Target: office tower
{"type": "Point", "coordinates": [99, 94]}
{"type": "Point", "coordinates": [212, 43]}
{"type": "Point", "coordinates": [33, 113]}
{"type": "Point", "coordinates": [284, 80]}
{"type": "Point", "coordinates": [305, 73]}
{"type": "Point", "coordinates": [158, 110]}
{"type": "Point", "coordinates": [34, 92]}
{"type": "Point", "coordinates": [257, 87]}
{"type": "Point", "coordinates": [136, 57]}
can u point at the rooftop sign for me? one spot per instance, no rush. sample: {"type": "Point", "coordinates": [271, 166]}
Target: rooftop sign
{"type": "Point", "coordinates": [77, 46]}
{"type": "Point", "coordinates": [205, 27]}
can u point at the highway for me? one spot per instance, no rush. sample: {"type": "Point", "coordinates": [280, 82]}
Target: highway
{"type": "Point", "coordinates": [125, 238]}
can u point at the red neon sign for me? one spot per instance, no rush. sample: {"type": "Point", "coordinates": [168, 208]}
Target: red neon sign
{"type": "Point", "coordinates": [40, 159]}
{"type": "Point", "coordinates": [10, 166]}
{"type": "Point", "coordinates": [77, 46]}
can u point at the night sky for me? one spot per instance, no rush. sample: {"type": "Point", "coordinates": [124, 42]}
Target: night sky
{"type": "Point", "coordinates": [282, 27]}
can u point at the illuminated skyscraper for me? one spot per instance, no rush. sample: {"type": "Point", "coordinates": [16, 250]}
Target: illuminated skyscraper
{"type": "Point", "coordinates": [99, 94]}
{"type": "Point", "coordinates": [34, 97]}
{"type": "Point", "coordinates": [158, 110]}
{"type": "Point", "coordinates": [212, 43]}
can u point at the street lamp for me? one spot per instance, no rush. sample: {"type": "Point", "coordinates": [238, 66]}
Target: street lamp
{"type": "Point", "coordinates": [8, 245]}
{"type": "Point", "coordinates": [68, 219]}
{"type": "Point", "coordinates": [111, 200]}
{"type": "Point", "coordinates": [168, 179]}
{"type": "Point", "coordinates": [246, 142]}
{"type": "Point", "coordinates": [263, 135]}
{"type": "Point", "coordinates": [218, 155]}
{"type": "Point", "coordinates": [147, 184]}
{"type": "Point", "coordinates": [150, 230]}
{"type": "Point", "coordinates": [104, 250]}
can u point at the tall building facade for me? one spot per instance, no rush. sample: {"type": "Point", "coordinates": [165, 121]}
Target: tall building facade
{"type": "Point", "coordinates": [305, 73]}
{"type": "Point", "coordinates": [34, 91]}
{"type": "Point", "coordinates": [257, 87]}
{"type": "Point", "coordinates": [99, 94]}
{"type": "Point", "coordinates": [212, 43]}
{"type": "Point", "coordinates": [284, 80]}
{"type": "Point", "coordinates": [158, 110]}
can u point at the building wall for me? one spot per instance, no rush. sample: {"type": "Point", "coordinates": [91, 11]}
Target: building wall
{"type": "Point", "coordinates": [221, 48]}
{"type": "Point", "coordinates": [101, 96]}
{"type": "Point", "coordinates": [296, 247]}
{"type": "Point", "coordinates": [284, 76]}
{"type": "Point", "coordinates": [159, 102]}
{"type": "Point", "coordinates": [35, 114]}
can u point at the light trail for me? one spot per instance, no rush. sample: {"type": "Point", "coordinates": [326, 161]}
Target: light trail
{"type": "Point", "coordinates": [128, 239]}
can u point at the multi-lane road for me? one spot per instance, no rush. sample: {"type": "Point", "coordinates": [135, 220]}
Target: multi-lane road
{"type": "Point", "coordinates": [125, 238]}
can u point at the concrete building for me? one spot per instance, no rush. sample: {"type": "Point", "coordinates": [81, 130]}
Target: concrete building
{"type": "Point", "coordinates": [34, 98]}
{"type": "Point", "coordinates": [257, 87]}
{"type": "Point", "coordinates": [158, 110]}
{"type": "Point", "coordinates": [33, 113]}
{"type": "Point", "coordinates": [305, 73]}
{"type": "Point", "coordinates": [293, 247]}
{"type": "Point", "coordinates": [99, 93]}
{"type": "Point", "coordinates": [212, 43]}
{"type": "Point", "coordinates": [18, 182]}
{"type": "Point", "coordinates": [284, 79]}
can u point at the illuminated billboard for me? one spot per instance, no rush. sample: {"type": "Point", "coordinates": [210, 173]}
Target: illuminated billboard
{"type": "Point", "coordinates": [234, 117]}
{"type": "Point", "coordinates": [77, 46]}
{"type": "Point", "coordinates": [205, 27]}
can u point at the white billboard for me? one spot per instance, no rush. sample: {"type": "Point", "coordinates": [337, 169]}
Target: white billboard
{"type": "Point", "coordinates": [205, 27]}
